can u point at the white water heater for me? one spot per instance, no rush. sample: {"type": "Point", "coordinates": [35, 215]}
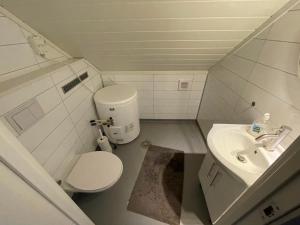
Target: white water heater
{"type": "Point", "coordinates": [119, 102]}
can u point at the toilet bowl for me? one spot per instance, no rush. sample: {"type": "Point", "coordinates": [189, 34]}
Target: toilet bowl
{"type": "Point", "coordinates": [93, 172]}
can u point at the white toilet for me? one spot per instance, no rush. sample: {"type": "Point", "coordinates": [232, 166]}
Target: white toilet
{"type": "Point", "coordinates": [98, 171]}
{"type": "Point", "coordinates": [93, 172]}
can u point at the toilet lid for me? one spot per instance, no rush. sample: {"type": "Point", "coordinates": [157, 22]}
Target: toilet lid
{"type": "Point", "coordinates": [115, 94]}
{"type": "Point", "coordinates": [95, 171]}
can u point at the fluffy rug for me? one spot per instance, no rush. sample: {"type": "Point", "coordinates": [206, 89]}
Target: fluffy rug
{"type": "Point", "coordinates": [158, 189]}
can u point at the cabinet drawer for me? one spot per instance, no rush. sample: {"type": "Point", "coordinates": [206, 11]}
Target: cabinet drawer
{"type": "Point", "coordinates": [207, 171]}
{"type": "Point", "coordinates": [222, 191]}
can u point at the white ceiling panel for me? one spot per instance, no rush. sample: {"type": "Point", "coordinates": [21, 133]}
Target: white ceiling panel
{"type": "Point", "coordinates": [146, 34]}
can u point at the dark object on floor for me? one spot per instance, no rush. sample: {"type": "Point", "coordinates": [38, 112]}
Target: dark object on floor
{"type": "Point", "coordinates": [145, 144]}
{"type": "Point", "coordinates": [158, 189]}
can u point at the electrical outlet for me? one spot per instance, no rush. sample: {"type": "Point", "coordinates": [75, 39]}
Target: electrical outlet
{"type": "Point", "coordinates": [270, 211]}
{"type": "Point", "coordinates": [184, 85]}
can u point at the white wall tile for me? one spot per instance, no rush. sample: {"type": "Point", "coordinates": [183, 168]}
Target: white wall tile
{"type": "Point", "coordinates": [170, 77]}
{"type": "Point", "coordinates": [238, 65]}
{"type": "Point", "coordinates": [68, 161]}
{"type": "Point", "coordinates": [281, 55]}
{"type": "Point", "coordinates": [200, 76]}
{"type": "Point", "coordinates": [257, 76]}
{"type": "Point", "coordinates": [172, 109]}
{"type": "Point", "coordinates": [18, 73]}
{"type": "Point", "coordinates": [142, 77]}
{"type": "Point", "coordinates": [32, 137]}
{"type": "Point", "coordinates": [166, 86]}
{"type": "Point", "coordinates": [84, 122]}
{"type": "Point", "coordinates": [230, 79]}
{"type": "Point", "coordinates": [47, 152]}
{"type": "Point", "coordinates": [21, 95]}
{"type": "Point", "coordinates": [51, 143]}
{"type": "Point", "coordinates": [82, 108]}
{"type": "Point", "coordinates": [88, 139]}
{"type": "Point", "coordinates": [226, 93]}
{"type": "Point", "coordinates": [264, 34]}
{"type": "Point", "coordinates": [61, 74]}
{"type": "Point", "coordinates": [168, 101]}
{"type": "Point", "coordinates": [196, 95]}
{"type": "Point", "coordinates": [145, 109]}
{"type": "Point", "coordinates": [145, 94]}
{"type": "Point", "coordinates": [15, 57]}
{"type": "Point", "coordinates": [198, 86]}
{"type": "Point", "coordinates": [76, 98]}
{"type": "Point", "coordinates": [50, 138]}
{"type": "Point", "coordinates": [92, 72]}
{"type": "Point", "coordinates": [10, 32]}
{"type": "Point", "coordinates": [278, 83]}
{"type": "Point", "coordinates": [251, 50]}
{"type": "Point", "coordinates": [78, 65]}
{"type": "Point", "coordinates": [193, 109]}
{"type": "Point", "coordinates": [139, 85]}
{"type": "Point", "coordinates": [158, 91]}
{"type": "Point", "coordinates": [108, 79]}
{"type": "Point", "coordinates": [172, 94]}
{"type": "Point", "coordinates": [281, 113]}
{"type": "Point", "coordinates": [52, 54]}
{"type": "Point", "coordinates": [287, 28]}
{"type": "Point", "coordinates": [169, 116]}
{"type": "Point", "coordinates": [49, 99]}
{"type": "Point", "coordinates": [61, 152]}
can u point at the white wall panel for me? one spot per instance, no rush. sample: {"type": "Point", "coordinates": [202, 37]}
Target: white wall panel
{"type": "Point", "coordinates": [117, 35]}
{"type": "Point", "coordinates": [17, 57]}
{"type": "Point", "coordinates": [65, 124]}
{"type": "Point", "coordinates": [264, 71]}
{"type": "Point", "coordinates": [158, 94]}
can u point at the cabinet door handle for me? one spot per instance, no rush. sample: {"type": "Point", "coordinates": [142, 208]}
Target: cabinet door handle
{"type": "Point", "coordinates": [212, 172]}
{"type": "Point", "coordinates": [211, 169]}
{"type": "Point", "coordinates": [216, 178]}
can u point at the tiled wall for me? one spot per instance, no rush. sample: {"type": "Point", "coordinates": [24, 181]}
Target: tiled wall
{"type": "Point", "coordinates": [265, 70]}
{"type": "Point", "coordinates": [158, 93]}
{"type": "Point", "coordinates": [64, 130]}
{"type": "Point", "coordinates": [17, 57]}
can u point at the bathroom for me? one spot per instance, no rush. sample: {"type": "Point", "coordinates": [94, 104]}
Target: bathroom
{"type": "Point", "coordinates": [150, 112]}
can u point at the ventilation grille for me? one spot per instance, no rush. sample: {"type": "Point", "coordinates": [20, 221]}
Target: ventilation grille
{"type": "Point", "coordinates": [73, 83]}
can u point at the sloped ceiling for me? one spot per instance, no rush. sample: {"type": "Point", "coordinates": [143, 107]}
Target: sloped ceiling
{"type": "Point", "coordinates": [145, 34]}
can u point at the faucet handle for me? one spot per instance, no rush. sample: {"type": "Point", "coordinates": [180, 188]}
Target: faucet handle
{"type": "Point", "coordinates": [283, 128]}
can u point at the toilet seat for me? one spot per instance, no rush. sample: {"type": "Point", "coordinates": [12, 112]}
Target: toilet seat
{"type": "Point", "coordinates": [95, 171]}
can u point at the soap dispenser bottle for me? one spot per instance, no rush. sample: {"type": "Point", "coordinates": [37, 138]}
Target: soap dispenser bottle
{"type": "Point", "coordinates": [265, 127]}
{"type": "Point", "coordinates": [260, 127]}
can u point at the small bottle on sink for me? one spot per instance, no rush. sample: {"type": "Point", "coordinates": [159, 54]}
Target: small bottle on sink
{"type": "Point", "coordinates": [260, 127]}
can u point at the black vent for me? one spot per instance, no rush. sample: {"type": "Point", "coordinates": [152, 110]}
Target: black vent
{"type": "Point", "coordinates": [83, 76]}
{"type": "Point", "coordinates": [73, 83]}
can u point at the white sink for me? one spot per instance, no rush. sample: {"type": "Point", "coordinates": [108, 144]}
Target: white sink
{"type": "Point", "coordinates": [236, 149]}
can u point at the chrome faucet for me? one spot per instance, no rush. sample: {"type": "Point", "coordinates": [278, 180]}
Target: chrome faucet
{"type": "Point", "coordinates": [275, 138]}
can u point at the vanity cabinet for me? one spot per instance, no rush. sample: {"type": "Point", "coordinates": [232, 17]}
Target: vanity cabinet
{"type": "Point", "coordinates": [220, 187]}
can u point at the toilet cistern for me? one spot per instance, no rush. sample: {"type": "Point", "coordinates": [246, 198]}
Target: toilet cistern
{"type": "Point", "coordinates": [271, 140]}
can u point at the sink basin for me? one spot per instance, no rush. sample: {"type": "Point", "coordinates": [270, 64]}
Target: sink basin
{"type": "Point", "coordinates": [237, 150]}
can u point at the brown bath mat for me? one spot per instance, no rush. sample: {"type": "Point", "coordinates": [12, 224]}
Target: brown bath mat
{"type": "Point", "coordinates": [158, 189]}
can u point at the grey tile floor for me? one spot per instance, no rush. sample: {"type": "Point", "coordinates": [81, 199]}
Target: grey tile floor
{"type": "Point", "coordinates": [109, 207]}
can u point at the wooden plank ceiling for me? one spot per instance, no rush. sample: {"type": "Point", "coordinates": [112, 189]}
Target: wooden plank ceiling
{"type": "Point", "coordinates": [146, 34]}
